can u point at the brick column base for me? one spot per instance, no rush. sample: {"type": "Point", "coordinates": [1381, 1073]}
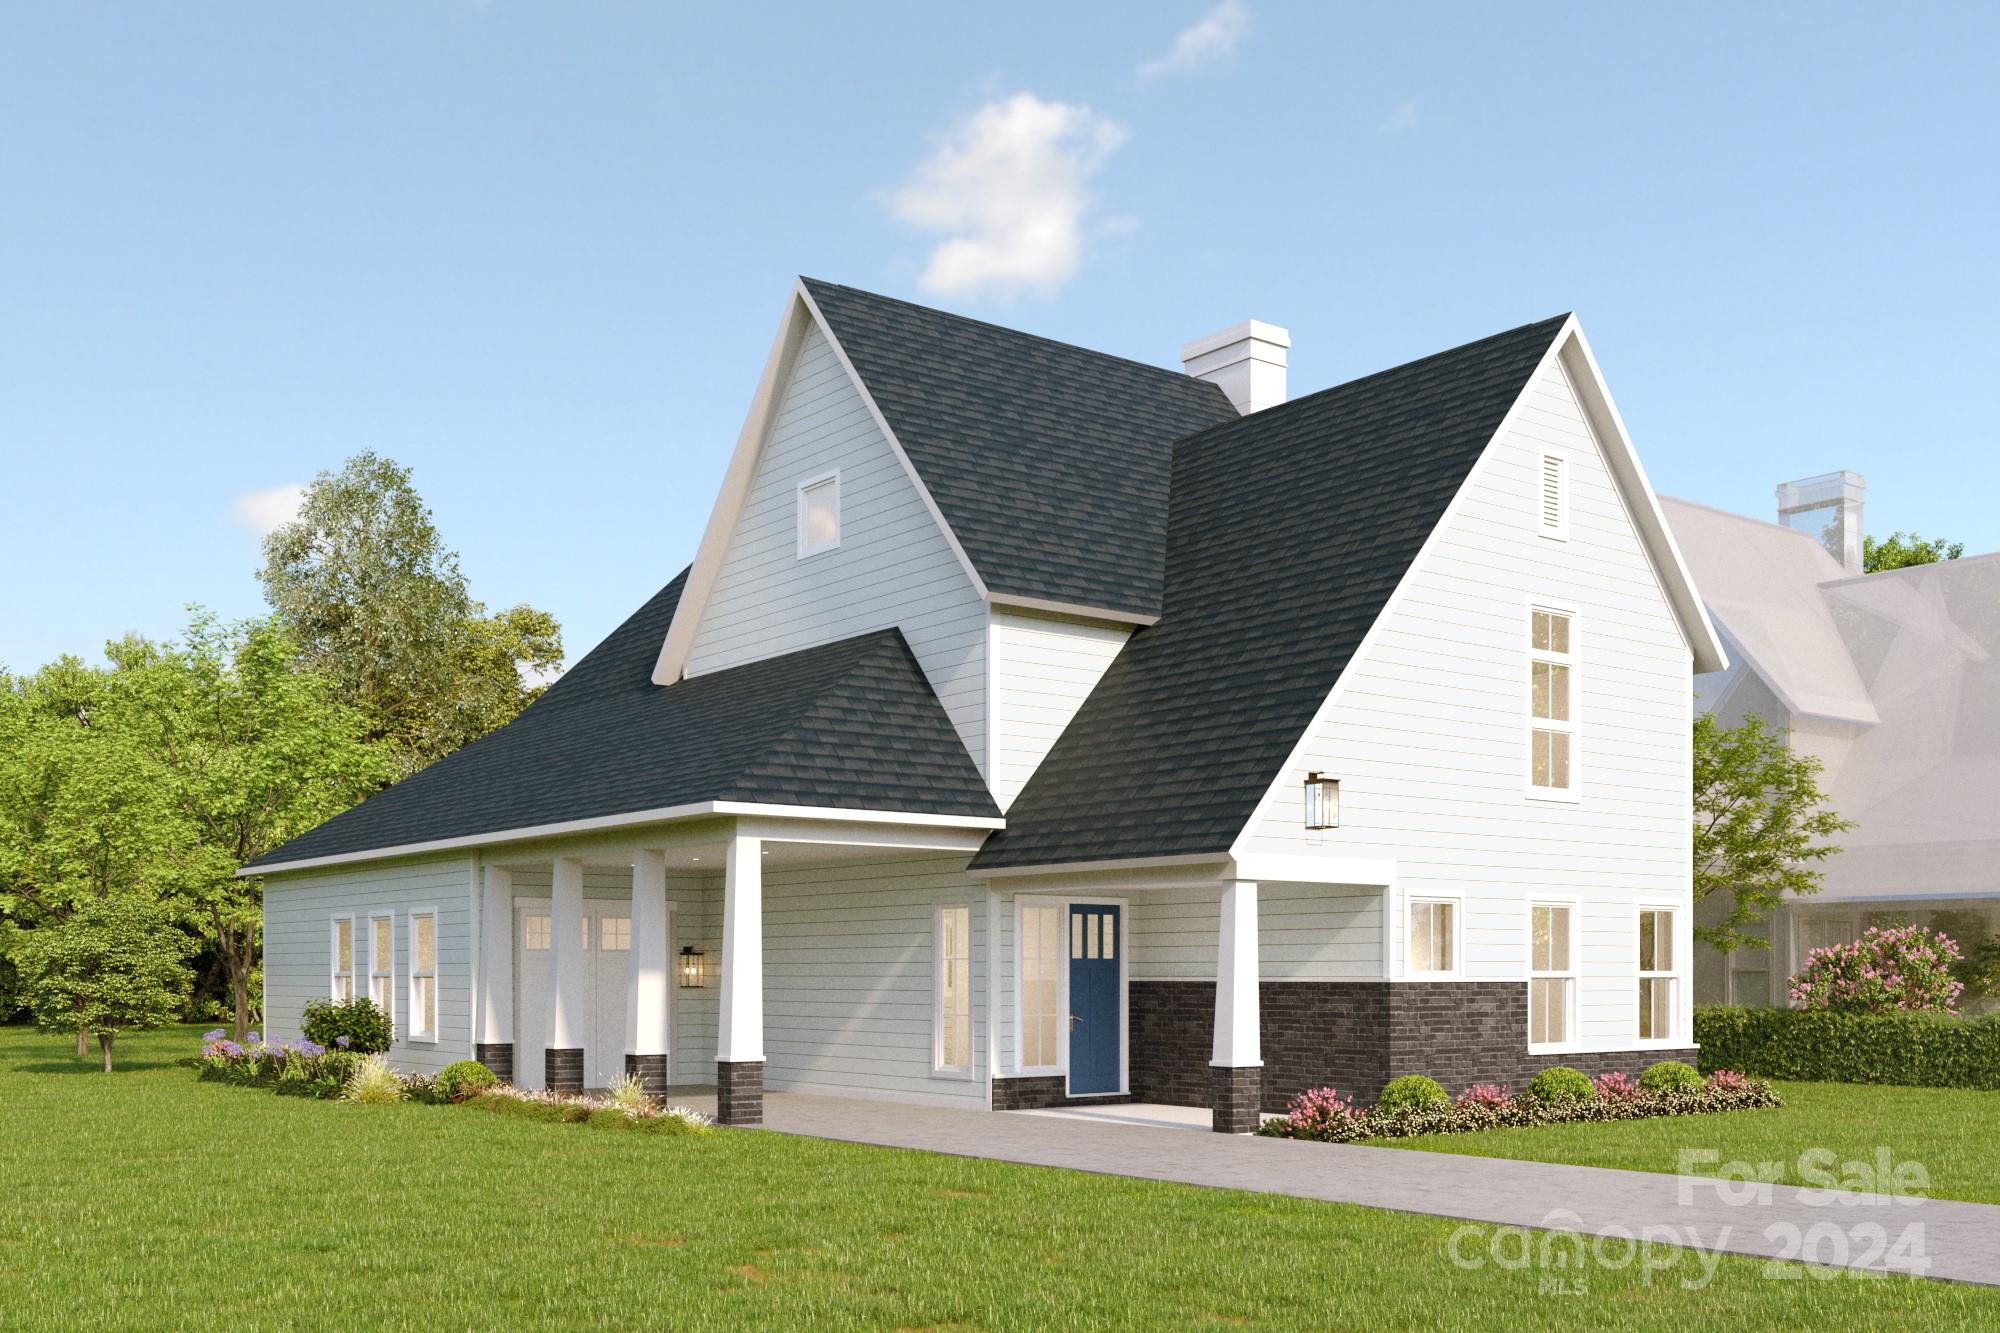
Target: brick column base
{"type": "Point", "coordinates": [562, 1068]}
{"type": "Point", "coordinates": [1237, 1089]}
{"type": "Point", "coordinates": [739, 1092]}
{"type": "Point", "coordinates": [497, 1056]}
{"type": "Point", "coordinates": [651, 1071]}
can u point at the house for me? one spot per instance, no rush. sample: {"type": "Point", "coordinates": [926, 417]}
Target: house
{"type": "Point", "coordinates": [1036, 726]}
{"type": "Point", "coordinates": [1891, 680]}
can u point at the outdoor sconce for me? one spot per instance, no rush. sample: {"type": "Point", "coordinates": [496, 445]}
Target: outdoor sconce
{"type": "Point", "coordinates": [1322, 801]}
{"type": "Point", "coordinates": [691, 967]}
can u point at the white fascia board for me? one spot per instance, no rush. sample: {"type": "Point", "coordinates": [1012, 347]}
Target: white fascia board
{"type": "Point", "coordinates": [674, 650]}
{"type": "Point", "coordinates": [1306, 868]}
{"type": "Point", "coordinates": [1654, 534]}
{"type": "Point", "coordinates": [695, 810]}
{"type": "Point", "coordinates": [1220, 860]}
{"type": "Point", "coordinates": [1008, 601]}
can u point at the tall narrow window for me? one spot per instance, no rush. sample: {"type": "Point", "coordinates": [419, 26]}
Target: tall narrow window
{"type": "Point", "coordinates": [423, 976]}
{"type": "Point", "coordinates": [1552, 497]}
{"type": "Point", "coordinates": [1432, 936]}
{"type": "Point", "coordinates": [1656, 974]}
{"type": "Point", "coordinates": [1551, 975]}
{"type": "Point", "coordinates": [382, 961]}
{"type": "Point", "coordinates": [342, 988]}
{"type": "Point", "coordinates": [1041, 991]}
{"type": "Point", "coordinates": [952, 1008]}
{"type": "Point", "coordinates": [1551, 702]}
{"type": "Point", "coordinates": [819, 514]}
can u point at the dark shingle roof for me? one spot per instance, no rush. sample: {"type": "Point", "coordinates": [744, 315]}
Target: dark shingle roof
{"type": "Point", "coordinates": [1049, 462]}
{"type": "Point", "coordinates": [851, 724]}
{"type": "Point", "coordinates": [1289, 530]}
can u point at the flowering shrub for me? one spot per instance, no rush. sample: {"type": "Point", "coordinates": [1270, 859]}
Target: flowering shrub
{"type": "Point", "coordinates": [640, 1113]}
{"type": "Point", "coordinates": [1483, 1096]}
{"type": "Point", "coordinates": [1727, 1080]}
{"type": "Point", "coordinates": [1615, 1087]}
{"type": "Point", "coordinates": [1903, 968]}
{"type": "Point", "coordinates": [1465, 1116]}
{"type": "Point", "coordinates": [300, 1068]}
{"type": "Point", "coordinates": [1322, 1114]}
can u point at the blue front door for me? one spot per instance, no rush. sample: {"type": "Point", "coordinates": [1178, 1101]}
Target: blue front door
{"type": "Point", "coordinates": [1096, 1011]}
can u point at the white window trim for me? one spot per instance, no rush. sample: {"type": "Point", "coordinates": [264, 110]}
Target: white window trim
{"type": "Point", "coordinates": [437, 942]}
{"type": "Point", "coordinates": [1572, 794]}
{"type": "Point", "coordinates": [1675, 990]}
{"type": "Point", "coordinates": [939, 1069]}
{"type": "Point", "coordinates": [1559, 531]}
{"type": "Point", "coordinates": [333, 973]}
{"type": "Point", "coordinates": [389, 968]}
{"type": "Point", "coordinates": [1571, 1004]}
{"type": "Point", "coordinates": [1063, 905]}
{"type": "Point", "coordinates": [1457, 906]}
{"type": "Point", "coordinates": [1022, 902]}
{"type": "Point", "coordinates": [839, 519]}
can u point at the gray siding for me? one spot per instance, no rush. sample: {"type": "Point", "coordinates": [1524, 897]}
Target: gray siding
{"type": "Point", "coordinates": [893, 566]}
{"type": "Point", "coordinates": [298, 946]}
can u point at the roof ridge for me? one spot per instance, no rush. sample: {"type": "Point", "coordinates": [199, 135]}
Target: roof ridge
{"type": "Point", "coordinates": [1167, 371]}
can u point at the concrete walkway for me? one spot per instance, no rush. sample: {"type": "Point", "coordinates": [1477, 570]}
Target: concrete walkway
{"type": "Point", "coordinates": [1928, 1237]}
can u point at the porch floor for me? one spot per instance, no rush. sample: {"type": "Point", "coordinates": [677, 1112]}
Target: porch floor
{"type": "Point", "coordinates": [1960, 1240]}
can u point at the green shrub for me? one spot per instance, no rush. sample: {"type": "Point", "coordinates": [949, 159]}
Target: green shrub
{"type": "Point", "coordinates": [1668, 1075]}
{"type": "Point", "coordinates": [462, 1079]}
{"type": "Point", "coordinates": [1412, 1092]}
{"type": "Point", "coordinates": [1560, 1083]}
{"type": "Point", "coordinates": [1924, 1050]}
{"type": "Point", "coordinates": [1721, 1094]}
{"type": "Point", "coordinates": [367, 1030]}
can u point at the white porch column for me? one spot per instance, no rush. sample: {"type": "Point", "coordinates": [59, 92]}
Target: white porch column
{"type": "Point", "coordinates": [646, 982]}
{"type": "Point", "coordinates": [494, 1046]}
{"type": "Point", "coordinates": [1238, 1057]}
{"type": "Point", "coordinates": [739, 1039]}
{"type": "Point", "coordinates": [567, 977]}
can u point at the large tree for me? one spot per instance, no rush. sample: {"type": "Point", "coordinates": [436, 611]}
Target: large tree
{"type": "Point", "coordinates": [1900, 550]}
{"type": "Point", "coordinates": [377, 603]}
{"type": "Point", "coordinates": [1761, 826]}
{"type": "Point", "coordinates": [249, 750]}
{"type": "Point", "coordinates": [115, 964]}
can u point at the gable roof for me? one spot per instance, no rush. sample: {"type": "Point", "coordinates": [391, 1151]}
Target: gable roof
{"type": "Point", "coordinates": [1289, 531]}
{"type": "Point", "coordinates": [852, 724]}
{"type": "Point", "coordinates": [1049, 463]}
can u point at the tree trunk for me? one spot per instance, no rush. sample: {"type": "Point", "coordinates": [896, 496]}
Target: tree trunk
{"type": "Point", "coordinates": [239, 989]}
{"type": "Point", "coordinates": [104, 1039]}
{"type": "Point", "coordinates": [82, 1041]}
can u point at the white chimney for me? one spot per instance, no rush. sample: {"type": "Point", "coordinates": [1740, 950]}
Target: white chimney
{"type": "Point", "coordinates": [1247, 361]}
{"type": "Point", "coordinates": [1829, 507]}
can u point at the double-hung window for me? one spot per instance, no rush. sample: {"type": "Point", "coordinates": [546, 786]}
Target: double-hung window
{"type": "Point", "coordinates": [1433, 937]}
{"type": "Point", "coordinates": [1551, 702]}
{"type": "Point", "coordinates": [382, 961]}
{"type": "Point", "coordinates": [819, 514]}
{"type": "Point", "coordinates": [1041, 986]}
{"type": "Point", "coordinates": [423, 976]}
{"type": "Point", "coordinates": [951, 1011]}
{"type": "Point", "coordinates": [1551, 974]}
{"type": "Point", "coordinates": [1656, 974]}
{"type": "Point", "coordinates": [342, 987]}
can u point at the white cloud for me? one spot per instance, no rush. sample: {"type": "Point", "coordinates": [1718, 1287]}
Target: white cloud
{"type": "Point", "coordinates": [1404, 117]}
{"type": "Point", "coordinates": [1008, 189]}
{"type": "Point", "coordinates": [1211, 37]}
{"type": "Point", "coordinates": [264, 512]}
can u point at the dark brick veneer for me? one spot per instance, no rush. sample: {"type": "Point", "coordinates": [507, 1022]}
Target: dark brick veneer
{"type": "Point", "coordinates": [1352, 1035]}
{"type": "Point", "coordinates": [739, 1092]}
{"type": "Point", "coordinates": [1237, 1092]}
{"type": "Point", "coordinates": [651, 1071]}
{"type": "Point", "coordinates": [497, 1056]}
{"type": "Point", "coordinates": [1037, 1091]}
{"type": "Point", "coordinates": [562, 1068]}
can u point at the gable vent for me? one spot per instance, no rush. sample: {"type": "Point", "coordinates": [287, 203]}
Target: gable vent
{"type": "Point", "coordinates": [1555, 496]}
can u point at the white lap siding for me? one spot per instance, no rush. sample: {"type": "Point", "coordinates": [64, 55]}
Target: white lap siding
{"type": "Point", "coordinates": [1044, 667]}
{"type": "Point", "coordinates": [1428, 732]}
{"type": "Point", "coordinates": [893, 566]}
{"type": "Point", "coordinates": [848, 969]}
{"type": "Point", "coordinates": [298, 912]}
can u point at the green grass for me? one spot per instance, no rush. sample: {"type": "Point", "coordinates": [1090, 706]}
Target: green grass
{"type": "Point", "coordinates": [1949, 1131]}
{"type": "Point", "coordinates": [147, 1199]}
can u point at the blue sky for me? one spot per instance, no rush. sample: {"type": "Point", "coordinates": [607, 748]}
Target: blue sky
{"type": "Point", "coordinates": [537, 252]}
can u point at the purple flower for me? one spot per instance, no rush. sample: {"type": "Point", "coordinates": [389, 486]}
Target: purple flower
{"type": "Point", "coordinates": [213, 1034]}
{"type": "Point", "coordinates": [255, 1037]}
{"type": "Point", "coordinates": [343, 1041]}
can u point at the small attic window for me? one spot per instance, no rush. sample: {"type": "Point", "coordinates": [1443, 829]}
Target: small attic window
{"type": "Point", "coordinates": [819, 514]}
{"type": "Point", "coordinates": [1552, 497]}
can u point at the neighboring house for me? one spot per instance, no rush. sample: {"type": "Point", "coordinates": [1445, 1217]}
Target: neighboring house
{"type": "Point", "coordinates": [1892, 680]}
{"type": "Point", "coordinates": [1036, 726]}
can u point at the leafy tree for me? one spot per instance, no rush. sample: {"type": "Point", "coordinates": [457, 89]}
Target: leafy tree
{"type": "Point", "coordinates": [1760, 826]}
{"type": "Point", "coordinates": [377, 603]}
{"type": "Point", "coordinates": [115, 964]}
{"type": "Point", "coordinates": [1900, 550]}
{"type": "Point", "coordinates": [249, 751]}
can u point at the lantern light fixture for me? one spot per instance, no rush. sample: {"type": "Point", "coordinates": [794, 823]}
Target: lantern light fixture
{"type": "Point", "coordinates": [1322, 801]}
{"type": "Point", "coordinates": [693, 968]}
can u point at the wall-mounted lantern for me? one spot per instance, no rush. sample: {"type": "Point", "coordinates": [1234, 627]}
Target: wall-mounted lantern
{"type": "Point", "coordinates": [1322, 801]}
{"type": "Point", "coordinates": [693, 967]}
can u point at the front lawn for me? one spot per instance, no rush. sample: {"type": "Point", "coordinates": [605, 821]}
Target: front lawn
{"type": "Point", "coordinates": [147, 1199]}
{"type": "Point", "coordinates": [1950, 1131]}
